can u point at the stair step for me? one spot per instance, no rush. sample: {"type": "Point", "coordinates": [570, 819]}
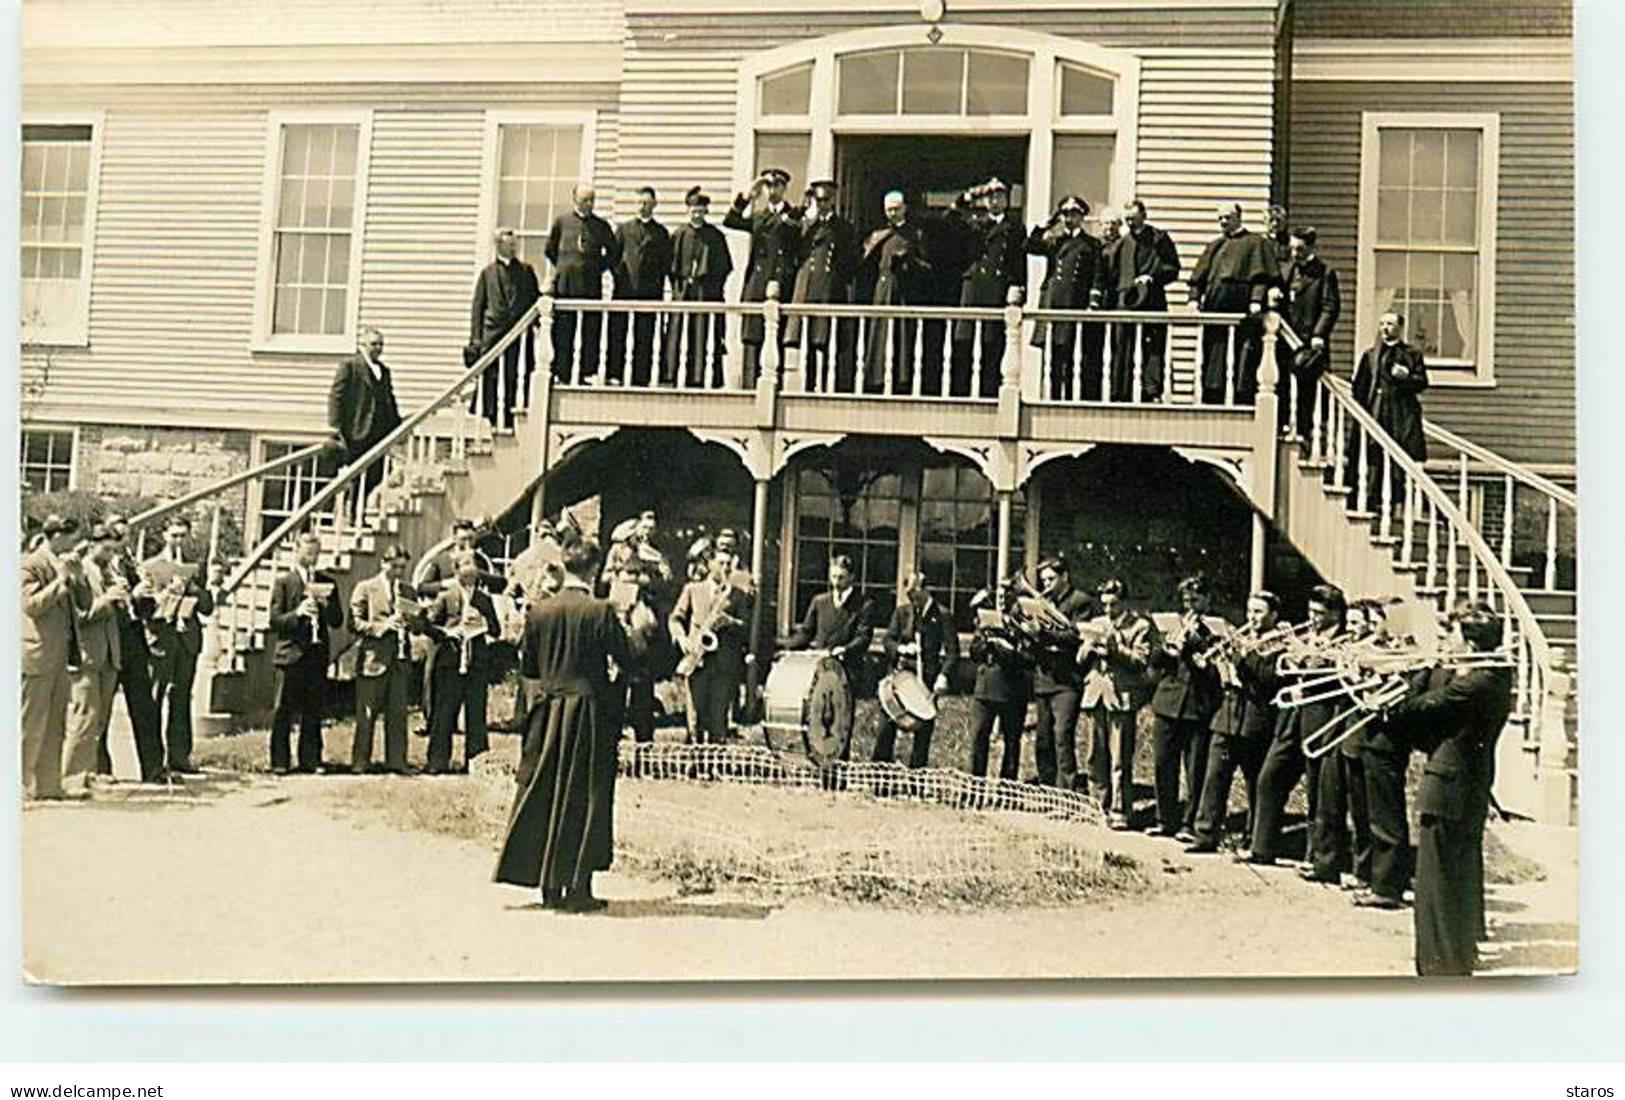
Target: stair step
{"type": "Point", "coordinates": [1559, 628]}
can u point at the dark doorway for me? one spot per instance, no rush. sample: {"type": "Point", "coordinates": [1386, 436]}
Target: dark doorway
{"type": "Point", "coordinates": [929, 169]}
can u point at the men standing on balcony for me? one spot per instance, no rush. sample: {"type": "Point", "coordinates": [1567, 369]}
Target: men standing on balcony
{"type": "Point", "coordinates": [711, 626]}
{"type": "Point", "coordinates": [895, 255]}
{"type": "Point", "coordinates": [98, 601]}
{"type": "Point", "coordinates": [921, 640]}
{"type": "Point", "coordinates": [581, 247]}
{"type": "Point", "coordinates": [176, 633]}
{"type": "Point", "coordinates": [305, 608]}
{"type": "Point", "coordinates": [384, 614]}
{"type": "Point", "coordinates": [503, 294]}
{"type": "Point", "coordinates": [828, 259]}
{"type": "Point", "coordinates": [1118, 644]}
{"type": "Point", "coordinates": [1183, 703]}
{"type": "Point", "coordinates": [700, 266]}
{"type": "Point", "coordinates": [1074, 279]}
{"type": "Point", "coordinates": [463, 622]}
{"type": "Point", "coordinates": [1139, 267]}
{"type": "Point", "coordinates": [775, 241]}
{"type": "Point", "coordinates": [1234, 275]}
{"type": "Point", "coordinates": [135, 663]}
{"type": "Point", "coordinates": [1313, 305]}
{"type": "Point", "coordinates": [361, 407]}
{"type": "Point", "coordinates": [50, 647]}
{"type": "Point", "coordinates": [1058, 679]}
{"type": "Point", "coordinates": [640, 276]}
{"type": "Point", "coordinates": [997, 245]}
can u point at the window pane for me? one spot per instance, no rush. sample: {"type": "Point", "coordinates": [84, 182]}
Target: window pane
{"type": "Point", "coordinates": [1083, 166]}
{"type": "Point", "coordinates": [1394, 158]}
{"type": "Point", "coordinates": [333, 313]}
{"type": "Point", "coordinates": [996, 84]}
{"type": "Point", "coordinates": [1461, 158]}
{"type": "Point", "coordinates": [1458, 330]}
{"type": "Point", "coordinates": [1427, 215]}
{"type": "Point", "coordinates": [514, 140]}
{"type": "Point", "coordinates": [1393, 214]}
{"type": "Point", "coordinates": [1461, 217]}
{"type": "Point", "coordinates": [295, 150]}
{"type": "Point", "coordinates": [933, 81]}
{"type": "Point", "coordinates": [788, 151]}
{"type": "Point", "coordinates": [345, 139]}
{"type": "Point", "coordinates": [868, 83]}
{"type": "Point", "coordinates": [73, 217]}
{"type": "Point", "coordinates": [33, 166]}
{"type": "Point", "coordinates": [51, 214]}
{"type": "Point", "coordinates": [567, 152]}
{"type": "Point", "coordinates": [30, 263]}
{"type": "Point", "coordinates": [338, 261]}
{"type": "Point", "coordinates": [1084, 92]}
{"type": "Point", "coordinates": [283, 317]}
{"type": "Point", "coordinates": [310, 310]}
{"type": "Point", "coordinates": [56, 167]}
{"type": "Point", "coordinates": [787, 93]}
{"type": "Point", "coordinates": [314, 264]}
{"type": "Point", "coordinates": [1427, 158]}
{"type": "Point", "coordinates": [539, 166]}
{"type": "Point", "coordinates": [71, 258]}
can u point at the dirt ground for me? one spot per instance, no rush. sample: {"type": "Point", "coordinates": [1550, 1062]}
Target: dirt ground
{"type": "Point", "coordinates": [242, 877]}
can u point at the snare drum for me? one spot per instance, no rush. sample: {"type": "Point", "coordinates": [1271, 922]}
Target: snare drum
{"type": "Point", "coordinates": [907, 701]}
{"type": "Point", "coordinates": [807, 695]}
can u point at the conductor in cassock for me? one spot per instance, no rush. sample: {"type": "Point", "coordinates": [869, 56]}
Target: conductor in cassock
{"type": "Point", "coordinates": [560, 830]}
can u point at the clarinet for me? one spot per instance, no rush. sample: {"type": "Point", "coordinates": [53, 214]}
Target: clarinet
{"type": "Point", "coordinates": [400, 629]}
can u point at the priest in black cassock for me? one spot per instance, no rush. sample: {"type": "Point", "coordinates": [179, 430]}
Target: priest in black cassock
{"type": "Point", "coordinates": [896, 257]}
{"type": "Point", "coordinates": [1234, 275]}
{"type": "Point", "coordinates": [700, 266]}
{"type": "Point", "coordinates": [581, 246]}
{"type": "Point", "coordinates": [561, 827]}
{"type": "Point", "coordinates": [640, 276]}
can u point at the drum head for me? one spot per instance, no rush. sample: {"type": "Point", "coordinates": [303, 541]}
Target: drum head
{"type": "Point", "coordinates": [828, 713]}
{"type": "Point", "coordinates": [907, 701]}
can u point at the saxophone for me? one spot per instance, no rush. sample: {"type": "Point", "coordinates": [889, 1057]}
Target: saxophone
{"type": "Point", "coordinates": [705, 637]}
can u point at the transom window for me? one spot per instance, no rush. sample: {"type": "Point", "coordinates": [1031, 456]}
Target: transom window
{"type": "Point", "coordinates": [932, 81]}
{"type": "Point", "coordinates": [57, 201]}
{"type": "Point", "coordinates": [313, 239]}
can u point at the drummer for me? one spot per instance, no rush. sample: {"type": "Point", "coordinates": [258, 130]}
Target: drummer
{"type": "Point", "coordinates": [840, 622]}
{"type": "Point", "coordinates": [920, 643]}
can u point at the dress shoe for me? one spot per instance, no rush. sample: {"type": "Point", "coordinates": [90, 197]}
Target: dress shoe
{"type": "Point", "coordinates": [1309, 874]}
{"type": "Point", "coordinates": [583, 902]}
{"type": "Point", "coordinates": [188, 769]}
{"type": "Point", "coordinates": [1256, 861]}
{"type": "Point", "coordinates": [1117, 823]}
{"type": "Point", "coordinates": [1185, 836]}
{"type": "Point", "coordinates": [1369, 900]}
{"type": "Point", "coordinates": [1201, 848]}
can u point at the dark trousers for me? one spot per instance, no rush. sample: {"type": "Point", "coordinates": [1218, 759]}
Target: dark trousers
{"type": "Point", "coordinates": [135, 678]}
{"type": "Point", "coordinates": [1449, 896]}
{"type": "Point", "coordinates": [1010, 717]}
{"type": "Point", "coordinates": [1342, 800]}
{"type": "Point", "coordinates": [1152, 341]}
{"type": "Point", "coordinates": [1057, 738]}
{"type": "Point", "coordinates": [640, 709]}
{"type": "Point", "coordinates": [504, 375]}
{"type": "Point", "coordinates": [1216, 353]}
{"type": "Point", "coordinates": [361, 488]}
{"type": "Point", "coordinates": [711, 691]}
{"type": "Point", "coordinates": [566, 321]}
{"type": "Point", "coordinates": [1111, 780]}
{"type": "Point", "coordinates": [1179, 745]}
{"type": "Point", "coordinates": [1227, 755]}
{"type": "Point", "coordinates": [1390, 828]}
{"type": "Point", "coordinates": [644, 327]}
{"type": "Point", "coordinates": [990, 335]}
{"type": "Point", "coordinates": [1062, 342]}
{"type": "Point", "coordinates": [453, 692]}
{"type": "Point", "coordinates": [919, 751]}
{"type": "Point", "coordinates": [383, 697]}
{"type": "Point", "coordinates": [1283, 767]}
{"type": "Point", "coordinates": [301, 691]}
{"type": "Point", "coordinates": [900, 340]}
{"type": "Point", "coordinates": [172, 676]}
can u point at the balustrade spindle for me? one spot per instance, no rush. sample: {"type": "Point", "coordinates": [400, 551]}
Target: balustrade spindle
{"type": "Point", "coordinates": [1108, 363]}
{"type": "Point", "coordinates": [1136, 383]}
{"type": "Point", "coordinates": [1363, 478]}
{"type": "Point", "coordinates": [1451, 564]}
{"type": "Point", "coordinates": [1551, 543]}
{"type": "Point", "coordinates": [1292, 399]}
{"type": "Point", "coordinates": [1230, 350]}
{"type": "Point", "coordinates": [1433, 544]}
{"type": "Point", "coordinates": [888, 357]}
{"type": "Point", "coordinates": [1462, 497]}
{"type": "Point", "coordinates": [1407, 533]}
{"type": "Point", "coordinates": [1387, 526]}
{"type": "Point", "coordinates": [1507, 491]}
{"type": "Point", "coordinates": [916, 355]}
{"type": "Point", "coordinates": [1318, 394]}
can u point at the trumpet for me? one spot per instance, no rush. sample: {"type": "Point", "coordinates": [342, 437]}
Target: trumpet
{"type": "Point", "coordinates": [1034, 613]}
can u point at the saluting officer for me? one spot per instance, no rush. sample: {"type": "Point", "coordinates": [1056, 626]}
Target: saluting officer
{"type": "Point", "coordinates": [997, 244]}
{"type": "Point", "coordinates": [775, 240]}
{"type": "Point", "coordinates": [828, 259]}
{"type": "Point", "coordinates": [1074, 278]}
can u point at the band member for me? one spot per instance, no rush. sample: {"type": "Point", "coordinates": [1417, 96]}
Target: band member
{"type": "Point", "coordinates": [1234, 275]}
{"type": "Point", "coordinates": [581, 247]}
{"type": "Point", "coordinates": [1244, 722]}
{"type": "Point", "coordinates": [463, 621]}
{"type": "Point", "coordinates": [1457, 726]}
{"type": "Point", "coordinates": [711, 626]}
{"type": "Point", "coordinates": [135, 663]}
{"type": "Point", "coordinates": [775, 241]}
{"type": "Point", "coordinates": [632, 593]}
{"type": "Point", "coordinates": [828, 259]}
{"type": "Point", "coordinates": [361, 408]}
{"type": "Point", "coordinates": [1313, 305]}
{"type": "Point", "coordinates": [503, 294]}
{"type": "Point", "coordinates": [997, 244]}
{"type": "Point", "coordinates": [1139, 267]}
{"type": "Point", "coordinates": [305, 608]}
{"type": "Point", "coordinates": [1003, 688]}
{"type": "Point", "coordinates": [1183, 703]}
{"type": "Point", "coordinates": [640, 276]}
{"type": "Point", "coordinates": [1074, 278]}
{"type": "Point", "coordinates": [1388, 382]}
{"type": "Point", "coordinates": [442, 568]}
{"type": "Point", "coordinates": [1341, 785]}
{"type": "Point", "coordinates": [920, 639]}
{"type": "Point", "coordinates": [840, 622]}
{"type": "Point", "coordinates": [50, 645]}
{"type": "Point", "coordinates": [1284, 762]}
{"type": "Point", "coordinates": [384, 615]}
{"type": "Point", "coordinates": [897, 257]}
{"type": "Point", "coordinates": [98, 601]}
{"type": "Point", "coordinates": [700, 266]}
{"type": "Point", "coordinates": [640, 544]}
{"type": "Point", "coordinates": [560, 829]}
{"type": "Point", "coordinates": [1058, 678]}
{"type": "Point", "coordinates": [1117, 655]}
{"type": "Point", "coordinates": [176, 637]}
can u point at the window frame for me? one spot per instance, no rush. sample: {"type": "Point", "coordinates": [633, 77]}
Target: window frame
{"type": "Point", "coordinates": [254, 518]}
{"type": "Point", "coordinates": [1479, 373]}
{"type": "Point", "coordinates": [490, 166]}
{"type": "Point", "coordinates": [71, 430]}
{"type": "Point", "coordinates": [75, 331]}
{"type": "Point", "coordinates": [263, 339]}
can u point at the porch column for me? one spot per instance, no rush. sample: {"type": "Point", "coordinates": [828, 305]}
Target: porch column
{"type": "Point", "coordinates": [1003, 552]}
{"type": "Point", "coordinates": [758, 563]}
{"type": "Point", "coordinates": [1255, 570]}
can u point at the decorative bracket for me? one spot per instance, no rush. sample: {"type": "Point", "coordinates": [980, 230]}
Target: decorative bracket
{"type": "Point", "coordinates": [1030, 456]}
{"type": "Point", "coordinates": [752, 446]}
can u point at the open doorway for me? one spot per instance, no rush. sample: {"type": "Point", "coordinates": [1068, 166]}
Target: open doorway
{"type": "Point", "coordinates": [930, 169]}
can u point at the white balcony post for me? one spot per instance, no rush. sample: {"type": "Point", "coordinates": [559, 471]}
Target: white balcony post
{"type": "Point", "coordinates": [1551, 543]}
{"type": "Point", "coordinates": [772, 357]}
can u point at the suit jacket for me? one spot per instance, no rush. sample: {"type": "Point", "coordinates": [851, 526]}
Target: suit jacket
{"type": "Point", "coordinates": [360, 408]}
{"type": "Point", "coordinates": [645, 260]}
{"type": "Point", "coordinates": [1457, 725]}
{"type": "Point", "coordinates": [167, 636]}
{"type": "Point", "coordinates": [998, 252]}
{"type": "Point", "coordinates": [294, 633]}
{"type": "Point", "coordinates": [1074, 271]}
{"type": "Point", "coordinates": [49, 627]}
{"type": "Point", "coordinates": [695, 607]}
{"type": "Point", "coordinates": [1313, 300]}
{"type": "Point", "coordinates": [901, 265]}
{"type": "Point", "coordinates": [1245, 709]}
{"type": "Point", "coordinates": [97, 620]}
{"type": "Point", "coordinates": [447, 612]}
{"type": "Point", "coordinates": [502, 294]}
{"type": "Point", "coordinates": [1235, 270]}
{"type": "Point", "coordinates": [372, 605]}
{"type": "Point", "coordinates": [1186, 691]}
{"type": "Point", "coordinates": [826, 626]}
{"type": "Point", "coordinates": [1056, 665]}
{"type": "Point", "coordinates": [1003, 674]}
{"type": "Point", "coordinates": [828, 261]}
{"type": "Point", "coordinates": [132, 619]}
{"type": "Point", "coordinates": [1150, 252]}
{"type": "Point", "coordinates": [938, 641]}
{"type": "Point", "coordinates": [700, 263]}
{"type": "Point", "coordinates": [1394, 401]}
{"type": "Point", "coordinates": [442, 570]}
{"type": "Point", "coordinates": [581, 249]}
{"type": "Point", "coordinates": [1117, 679]}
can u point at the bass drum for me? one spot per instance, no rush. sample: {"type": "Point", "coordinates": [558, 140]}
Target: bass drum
{"type": "Point", "coordinates": [807, 696]}
{"type": "Point", "coordinates": [907, 701]}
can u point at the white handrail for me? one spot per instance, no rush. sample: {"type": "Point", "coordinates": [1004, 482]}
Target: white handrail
{"type": "Point", "coordinates": [1500, 464]}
